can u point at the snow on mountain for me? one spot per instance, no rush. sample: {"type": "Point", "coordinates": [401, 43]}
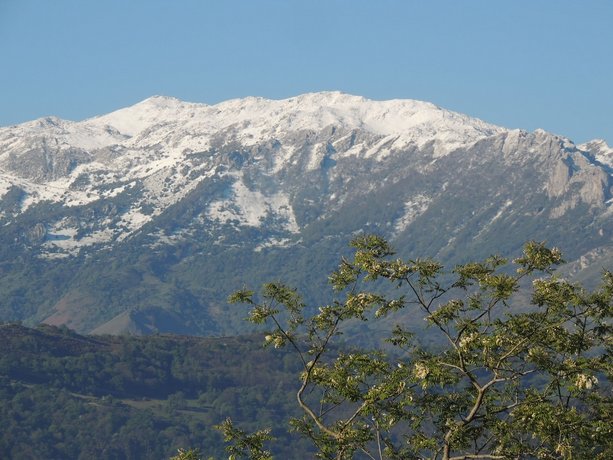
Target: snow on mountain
{"type": "Point", "coordinates": [601, 150]}
{"type": "Point", "coordinates": [412, 209]}
{"type": "Point", "coordinates": [153, 111]}
{"type": "Point", "coordinates": [256, 119]}
{"type": "Point", "coordinates": [150, 139]}
{"type": "Point", "coordinates": [58, 133]}
{"type": "Point", "coordinates": [159, 150]}
{"type": "Point", "coordinates": [179, 125]}
{"type": "Point", "coordinates": [413, 121]}
{"type": "Point", "coordinates": [251, 207]}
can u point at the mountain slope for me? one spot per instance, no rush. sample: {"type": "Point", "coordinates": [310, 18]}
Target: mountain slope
{"type": "Point", "coordinates": [144, 219]}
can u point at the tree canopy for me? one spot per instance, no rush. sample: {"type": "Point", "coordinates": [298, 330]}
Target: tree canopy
{"type": "Point", "coordinates": [512, 375]}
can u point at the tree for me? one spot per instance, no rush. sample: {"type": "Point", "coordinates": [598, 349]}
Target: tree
{"type": "Point", "coordinates": [243, 444]}
{"type": "Point", "coordinates": [187, 454]}
{"type": "Point", "coordinates": [523, 381]}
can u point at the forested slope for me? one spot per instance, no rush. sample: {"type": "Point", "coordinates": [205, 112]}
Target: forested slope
{"type": "Point", "coordinates": [64, 396]}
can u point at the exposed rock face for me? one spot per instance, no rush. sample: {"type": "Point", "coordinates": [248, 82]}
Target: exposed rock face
{"type": "Point", "coordinates": [579, 180]}
{"type": "Point", "coordinates": [37, 233]}
{"type": "Point", "coordinates": [43, 163]}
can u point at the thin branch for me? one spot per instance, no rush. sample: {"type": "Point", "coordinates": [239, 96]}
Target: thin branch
{"type": "Point", "coordinates": [379, 441]}
{"type": "Point", "coordinates": [306, 381]}
{"type": "Point", "coordinates": [511, 352]}
{"type": "Point", "coordinates": [353, 416]}
{"type": "Point", "coordinates": [290, 340]}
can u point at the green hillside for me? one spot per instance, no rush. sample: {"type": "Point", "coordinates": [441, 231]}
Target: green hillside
{"type": "Point", "coordinates": [68, 396]}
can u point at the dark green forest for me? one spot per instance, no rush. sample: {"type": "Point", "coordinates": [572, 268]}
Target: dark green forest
{"type": "Point", "coordinates": [68, 396]}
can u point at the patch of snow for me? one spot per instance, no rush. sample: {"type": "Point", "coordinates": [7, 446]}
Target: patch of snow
{"type": "Point", "coordinates": [62, 241]}
{"type": "Point", "coordinates": [131, 221]}
{"type": "Point", "coordinates": [161, 238]}
{"type": "Point", "coordinates": [316, 155]}
{"type": "Point", "coordinates": [5, 186]}
{"type": "Point", "coordinates": [413, 208]}
{"type": "Point", "coordinates": [601, 150]}
{"type": "Point", "coordinates": [501, 211]}
{"type": "Point", "coordinates": [274, 242]}
{"type": "Point", "coordinates": [54, 255]}
{"type": "Point", "coordinates": [381, 148]}
{"type": "Point", "coordinates": [62, 238]}
{"type": "Point", "coordinates": [163, 188]}
{"type": "Point", "coordinates": [251, 207]}
{"type": "Point", "coordinates": [102, 236]}
{"type": "Point", "coordinates": [497, 216]}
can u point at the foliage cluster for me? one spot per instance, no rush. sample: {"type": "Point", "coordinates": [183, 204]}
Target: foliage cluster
{"type": "Point", "coordinates": [532, 381]}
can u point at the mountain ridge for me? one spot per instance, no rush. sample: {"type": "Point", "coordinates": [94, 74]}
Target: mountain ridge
{"type": "Point", "coordinates": [168, 193]}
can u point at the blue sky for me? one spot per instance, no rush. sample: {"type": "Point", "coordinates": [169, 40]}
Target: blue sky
{"type": "Point", "coordinates": [522, 64]}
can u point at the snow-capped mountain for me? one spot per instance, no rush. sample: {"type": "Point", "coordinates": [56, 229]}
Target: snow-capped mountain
{"type": "Point", "coordinates": [193, 200]}
{"type": "Point", "coordinates": [158, 144]}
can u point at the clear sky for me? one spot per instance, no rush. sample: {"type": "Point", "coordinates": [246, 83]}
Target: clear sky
{"type": "Point", "coordinates": [518, 63]}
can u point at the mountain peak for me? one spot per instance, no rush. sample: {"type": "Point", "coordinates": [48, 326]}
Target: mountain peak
{"type": "Point", "coordinates": [160, 101]}
{"type": "Point", "coordinates": [597, 143]}
{"type": "Point", "coordinates": [601, 151]}
{"type": "Point", "coordinates": [52, 123]}
{"type": "Point", "coordinates": [414, 121]}
{"type": "Point", "coordinates": [411, 120]}
{"type": "Point", "coordinates": [145, 114]}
